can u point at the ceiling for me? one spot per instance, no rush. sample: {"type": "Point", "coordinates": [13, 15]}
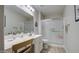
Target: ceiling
{"type": "Point", "coordinates": [46, 10]}
{"type": "Point", "coordinates": [14, 8]}
{"type": "Point", "coordinates": [50, 10]}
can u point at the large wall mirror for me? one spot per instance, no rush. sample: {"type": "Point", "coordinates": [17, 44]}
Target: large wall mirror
{"type": "Point", "coordinates": [17, 21]}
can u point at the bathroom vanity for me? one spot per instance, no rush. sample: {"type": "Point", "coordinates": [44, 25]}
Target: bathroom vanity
{"type": "Point", "coordinates": [11, 40]}
{"type": "Point", "coordinates": [18, 23]}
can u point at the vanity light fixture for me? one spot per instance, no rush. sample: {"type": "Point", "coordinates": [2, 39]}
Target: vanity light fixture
{"type": "Point", "coordinates": [29, 7]}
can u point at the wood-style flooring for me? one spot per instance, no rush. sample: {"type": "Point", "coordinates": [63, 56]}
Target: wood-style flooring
{"type": "Point", "coordinates": [53, 49]}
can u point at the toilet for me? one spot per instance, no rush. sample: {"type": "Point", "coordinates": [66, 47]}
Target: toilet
{"type": "Point", "coordinates": [45, 43]}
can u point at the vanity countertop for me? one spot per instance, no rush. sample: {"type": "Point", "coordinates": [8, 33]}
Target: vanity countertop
{"type": "Point", "coordinates": [8, 43]}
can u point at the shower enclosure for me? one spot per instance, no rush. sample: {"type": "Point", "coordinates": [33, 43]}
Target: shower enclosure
{"type": "Point", "coordinates": [52, 30]}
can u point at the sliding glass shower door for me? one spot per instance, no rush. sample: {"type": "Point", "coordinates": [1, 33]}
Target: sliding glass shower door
{"type": "Point", "coordinates": [53, 31]}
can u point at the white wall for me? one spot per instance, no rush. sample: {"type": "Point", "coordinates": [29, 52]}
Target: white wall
{"type": "Point", "coordinates": [54, 16]}
{"type": "Point", "coordinates": [37, 18]}
{"type": "Point", "coordinates": [71, 38]}
{"type": "Point", "coordinates": [1, 28]}
{"type": "Point", "coordinates": [14, 19]}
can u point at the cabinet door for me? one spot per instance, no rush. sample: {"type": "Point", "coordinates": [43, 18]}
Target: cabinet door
{"type": "Point", "coordinates": [38, 45]}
